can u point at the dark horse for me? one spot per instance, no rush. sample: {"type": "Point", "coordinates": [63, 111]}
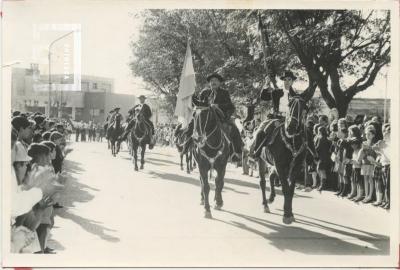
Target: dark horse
{"type": "Point", "coordinates": [284, 146]}
{"type": "Point", "coordinates": [184, 144]}
{"type": "Point", "coordinates": [139, 137]}
{"type": "Point", "coordinates": [113, 133]}
{"type": "Point", "coordinates": [211, 153]}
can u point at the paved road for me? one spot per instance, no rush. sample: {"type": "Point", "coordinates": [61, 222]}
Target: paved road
{"type": "Point", "coordinates": [153, 218]}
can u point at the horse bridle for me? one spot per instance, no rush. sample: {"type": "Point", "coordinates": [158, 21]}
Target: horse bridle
{"type": "Point", "coordinates": [145, 131]}
{"type": "Point", "coordinates": [204, 138]}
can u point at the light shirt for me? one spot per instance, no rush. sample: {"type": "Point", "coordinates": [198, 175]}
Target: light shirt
{"type": "Point", "coordinates": [22, 201]}
{"type": "Point", "coordinates": [284, 102]}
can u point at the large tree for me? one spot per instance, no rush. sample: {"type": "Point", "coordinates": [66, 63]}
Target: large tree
{"type": "Point", "coordinates": [338, 44]}
{"type": "Point", "coordinates": [216, 44]}
{"type": "Point", "coordinates": [325, 46]}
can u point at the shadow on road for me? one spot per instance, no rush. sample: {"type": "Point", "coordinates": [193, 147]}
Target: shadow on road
{"type": "Point", "coordinates": [158, 160]}
{"type": "Point", "coordinates": [76, 192]}
{"type": "Point", "coordinates": [307, 241]}
{"type": "Point", "coordinates": [188, 180]}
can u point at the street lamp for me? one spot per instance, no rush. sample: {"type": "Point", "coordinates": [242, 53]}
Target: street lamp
{"type": "Point", "coordinates": [49, 56]}
{"type": "Point", "coordinates": [11, 64]}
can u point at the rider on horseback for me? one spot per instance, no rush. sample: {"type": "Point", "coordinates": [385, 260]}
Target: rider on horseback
{"type": "Point", "coordinates": [115, 116]}
{"type": "Point", "coordinates": [220, 101]}
{"type": "Point", "coordinates": [278, 103]}
{"type": "Point", "coordinates": [146, 112]}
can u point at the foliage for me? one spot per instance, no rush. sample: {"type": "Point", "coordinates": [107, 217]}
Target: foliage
{"type": "Point", "coordinates": [322, 46]}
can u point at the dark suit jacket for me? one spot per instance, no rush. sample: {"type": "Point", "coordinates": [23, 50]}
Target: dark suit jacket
{"type": "Point", "coordinates": [146, 111]}
{"type": "Point", "coordinates": [222, 99]}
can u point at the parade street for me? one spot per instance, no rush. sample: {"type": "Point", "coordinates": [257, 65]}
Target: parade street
{"type": "Point", "coordinates": [154, 217]}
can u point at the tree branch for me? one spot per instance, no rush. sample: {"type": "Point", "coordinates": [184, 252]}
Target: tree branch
{"type": "Point", "coordinates": [220, 36]}
{"type": "Point", "coordinates": [356, 88]}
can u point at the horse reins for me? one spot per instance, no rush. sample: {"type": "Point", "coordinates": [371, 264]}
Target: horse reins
{"type": "Point", "coordinates": [203, 143]}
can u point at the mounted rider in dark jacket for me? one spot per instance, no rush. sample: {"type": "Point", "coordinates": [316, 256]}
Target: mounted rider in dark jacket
{"type": "Point", "coordinates": [219, 98]}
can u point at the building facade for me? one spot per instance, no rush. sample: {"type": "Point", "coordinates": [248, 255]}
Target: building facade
{"type": "Point", "coordinates": [30, 92]}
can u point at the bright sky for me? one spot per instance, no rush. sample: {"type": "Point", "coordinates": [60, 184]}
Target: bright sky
{"type": "Point", "coordinates": [106, 30]}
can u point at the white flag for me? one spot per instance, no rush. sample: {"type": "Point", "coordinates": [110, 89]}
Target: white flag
{"type": "Point", "coordinates": [187, 85]}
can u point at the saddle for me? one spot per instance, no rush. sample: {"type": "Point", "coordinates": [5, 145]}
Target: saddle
{"type": "Point", "coordinates": [266, 136]}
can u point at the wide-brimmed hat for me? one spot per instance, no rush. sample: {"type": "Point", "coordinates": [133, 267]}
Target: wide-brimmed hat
{"type": "Point", "coordinates": [16, 113]}
{"type": "Point", "coordinates": [38, 149]}
{"type": "Point", "coordinates": [39, 119]}
{"type": "Point", "coordinates": [49, 144]}
{"type": "Point", "coordinates": [142, 97]}
{"type": "Point", "coordinates": [46, 135]}
{"type": "Point", "coordinates": [354, 140]}
{"type": "Point", "coordinates": [117, 108]}
{"type": "Point", "coordinates": [288, 73]}
{"type": "Point", "coordinates": [20, 122]}
{"type": "Point", "coordinates": [55, 135]}
{"type": "Point", "coordinates": [215, 75]}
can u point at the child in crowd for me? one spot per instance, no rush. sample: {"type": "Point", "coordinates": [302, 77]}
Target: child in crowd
{"type": "Point", "coordinates": [42, 174]}
{"type": "Point", "coordinates": [340, 166]}
{"type": "Point", "coordinates": [382, 171]}
{"type": "Point", "coordinates": [313, 166]}
{"type": "Point", "coordinates": [322, 146]}
{"type": "Point", "coordinates": [355, 142]}
{"type": "Point", "coordinates": [367, 158]}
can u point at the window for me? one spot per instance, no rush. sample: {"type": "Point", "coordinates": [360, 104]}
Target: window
{"type": "Point", "coordinates": [94, 85]}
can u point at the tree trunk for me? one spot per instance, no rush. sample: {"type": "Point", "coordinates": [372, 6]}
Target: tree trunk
{"type": "Point", "coordinates": [342, 108]}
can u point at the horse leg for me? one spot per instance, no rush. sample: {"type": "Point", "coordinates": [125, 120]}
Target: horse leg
{"type": "Point", "coordinates": [187, 163]}
{"type": "Point", "coordinates": [287, 192]}
{"type": "Point", "coordinates": [206, 191]}
{"type": "Point", "coordinates": [142, 156]}
{"type": "Point", "coordinates": [261, 171]}
{"type": "Point", "coordinates": [181, 157]}
{"type": "Point", "coordinates": [219, 185]}
{"type": "Point", "coordinates": [272, 178]}
{"type": "Point", "coordinates": [135, 150]}
{"type": "Point", "coordinates": [190, 160]}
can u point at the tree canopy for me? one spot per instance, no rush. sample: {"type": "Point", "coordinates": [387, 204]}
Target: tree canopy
{"type": "Point", "coordinates": [321, 46]}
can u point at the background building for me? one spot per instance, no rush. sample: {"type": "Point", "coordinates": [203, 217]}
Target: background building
{"type": "Point", "coordinates": [29, 92]}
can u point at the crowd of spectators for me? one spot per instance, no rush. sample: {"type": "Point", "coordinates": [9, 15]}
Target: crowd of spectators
{"type": "Point", "coordinates": [353, 157]}
{"type": "Point", "coordinates": [38, 149]}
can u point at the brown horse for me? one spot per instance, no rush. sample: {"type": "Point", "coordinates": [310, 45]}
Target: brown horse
{"type": "Point", "coordinates": [139, 137]}
{"type": "Point", "coordinates": [113, 133]}
{"type": "Point", "coordinates": [284, 145]}
{"type": "Point", "coordinates": [211, 152]}
{"type": "Point", "coordinates": [184, 144]}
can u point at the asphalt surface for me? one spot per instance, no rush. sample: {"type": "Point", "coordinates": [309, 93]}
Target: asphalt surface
{"type": "Point", "coordinates": [154, 218]}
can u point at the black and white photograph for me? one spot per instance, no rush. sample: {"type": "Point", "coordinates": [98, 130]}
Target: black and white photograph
{"type": "Point", "coordinates": [199, 134]}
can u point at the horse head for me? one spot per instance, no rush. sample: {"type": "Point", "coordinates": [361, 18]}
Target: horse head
{"type": "Point", "coordinates": [295, 118]}
{"type": "Point", "coordinates": [205, 124]}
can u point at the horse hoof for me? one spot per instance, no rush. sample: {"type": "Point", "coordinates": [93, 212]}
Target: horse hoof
{"type": "Point", "coordinates": [207, 214]}
{"type": "Point", "coordinates": [181, 169]}
{"type": "Point", "coordinates": [202, 202]}
{"type": "Point", "coordinates": [271, 199]}
{"type": "Point", "coordinates": [136, 169]}
{"type": "Point", "coordinates": [266, 209]}
{"type": "Point", "coordinates": [188, 171]}
{"type": "Point", "coordinates": [218, 206]}
{"type": "Point", "coordinates": [288, 220]}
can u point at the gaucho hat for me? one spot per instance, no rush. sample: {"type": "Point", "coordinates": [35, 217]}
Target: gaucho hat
{"type": "Point", "coordinates": [215, 75]}
{"type": "Point", "coordinates": [288, 74]}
